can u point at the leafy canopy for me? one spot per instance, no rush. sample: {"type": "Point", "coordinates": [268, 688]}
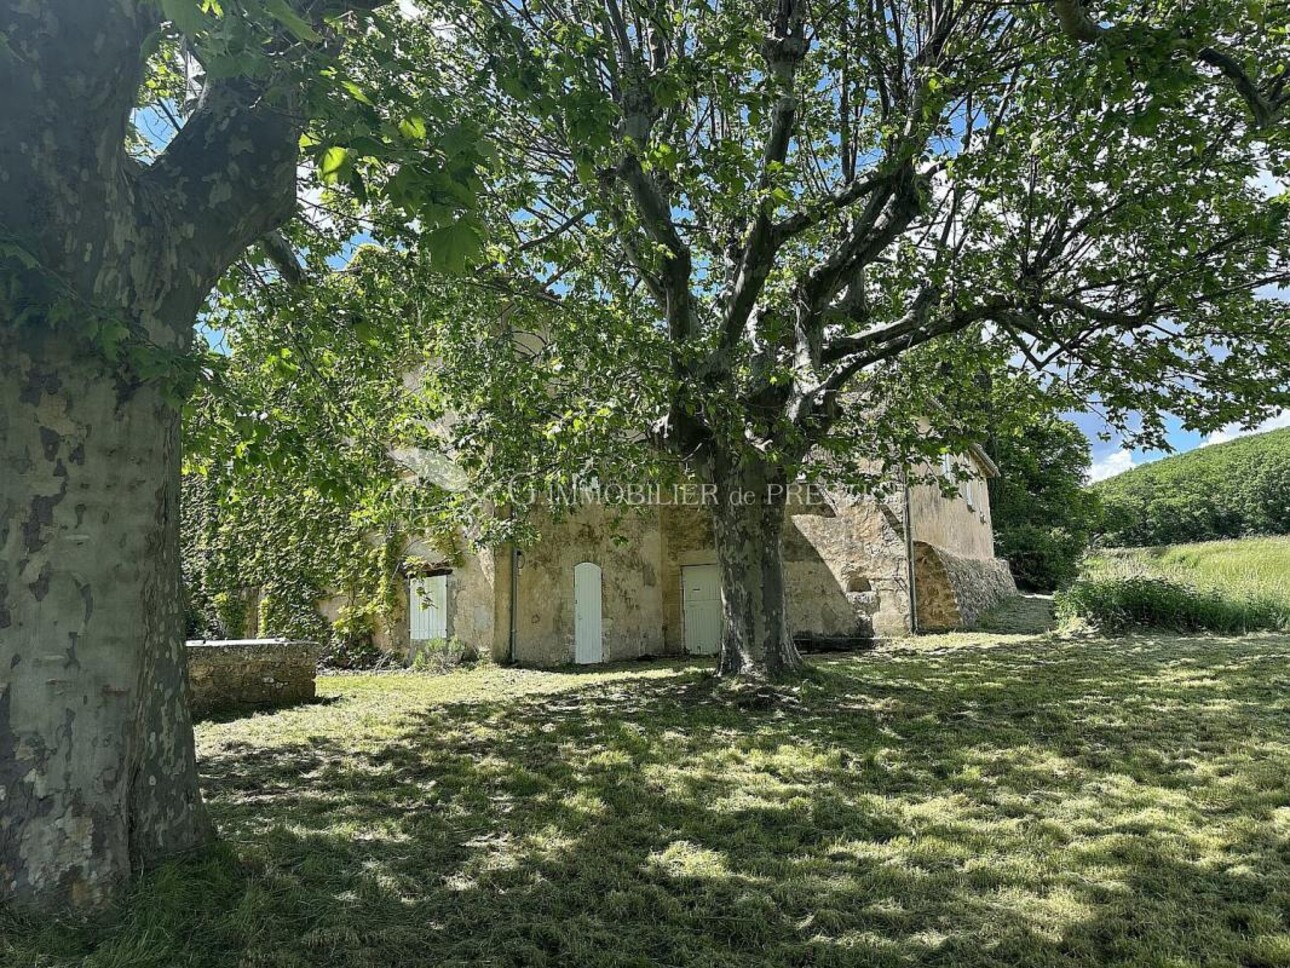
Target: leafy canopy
{"type": "Point", "coordinates": [787, 202]}
{"type": "Point", "coordinates": [1043, 515]}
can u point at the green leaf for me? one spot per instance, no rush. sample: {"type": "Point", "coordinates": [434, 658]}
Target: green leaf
{"type": "Point", "coordinates": [282, 12]}
{"type": "Point", "coordinates": [453, 246]}
{"type": "Point", "coordinates": [333, 163]}
{"type": "Point", "coordinates": [186, 15]}
{"type": "Point", "coordinates": [356, 92]}
{"type": "Point", "coordinates": [413, 128]}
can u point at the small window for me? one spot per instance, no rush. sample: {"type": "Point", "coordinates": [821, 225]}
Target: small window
{"type": "Point", "coordinates": [969, 494]}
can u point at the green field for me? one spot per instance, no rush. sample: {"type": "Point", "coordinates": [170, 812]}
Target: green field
{"type": "Point", "coordinates": [1224, 586]}
{"type": "Point", "coordinates": [1247, 568]}
{"type": "Point", "coordinates": [966, 800]}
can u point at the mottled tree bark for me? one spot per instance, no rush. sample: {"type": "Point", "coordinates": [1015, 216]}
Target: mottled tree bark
{"type": "Point", "coordinates": [748, 524]}
{"type": "Point", "coordinates": [96, 749]}
{"type": "Point", "coordinates": [97, 770]}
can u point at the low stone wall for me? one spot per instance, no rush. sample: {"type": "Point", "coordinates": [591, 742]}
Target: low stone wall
{"type": "Point", "coordinates": [250, 672]}
{"type": "Point", "coordinates": [953, 592]}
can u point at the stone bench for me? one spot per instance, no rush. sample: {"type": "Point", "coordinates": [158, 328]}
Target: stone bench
{"type": "Point", "coordinates": [229, 673]}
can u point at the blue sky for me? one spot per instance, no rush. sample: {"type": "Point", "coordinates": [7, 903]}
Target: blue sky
{"type": "Point", "coordinates": [1111, 457]}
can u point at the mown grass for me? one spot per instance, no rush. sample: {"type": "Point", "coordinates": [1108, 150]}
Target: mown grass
{"type": "Point", "coordinates": [966, 800]}
{"type": "Point", "coordinates": [1222, 586]}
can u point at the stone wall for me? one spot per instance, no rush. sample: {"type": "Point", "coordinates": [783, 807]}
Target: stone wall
{"type": "Point", "coordinates": [250, 672]}
{"type": "Point", "coordinates": [961, 528]}
{"type": "Point", "coordinates": [625, 543]}
{"type": "Point", "coordinates": [953, 592]}
{"type": "Point", "coordinates": [844, 562]}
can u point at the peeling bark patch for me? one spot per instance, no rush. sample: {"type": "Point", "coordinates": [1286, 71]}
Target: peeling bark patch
{"type": "Point", "coordinates": [50, 440]}
{"type": "Point", "coordinates": [40, 517]}
{"type": "Point", "coordinates": [39, 382]}
{"type": "Point", "coordinates": [126, 388]}
{"type": "Point", "coordinates": [21, 799]}
{"type": "Point", "coordinates": [40, 587]}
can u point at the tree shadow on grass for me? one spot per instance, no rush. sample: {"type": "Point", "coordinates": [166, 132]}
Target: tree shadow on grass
{"type": "Point", "coordinates": [235, 711]}
{"type": "Point", "coordinates": [1042, 804]}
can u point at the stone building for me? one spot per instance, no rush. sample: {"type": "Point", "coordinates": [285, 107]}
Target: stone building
{"type": "Point", "coordinates": [608, 583]}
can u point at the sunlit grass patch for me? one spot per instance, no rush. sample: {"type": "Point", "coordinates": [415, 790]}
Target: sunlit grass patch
{"type": "Point", "coordinates": [977, 800]}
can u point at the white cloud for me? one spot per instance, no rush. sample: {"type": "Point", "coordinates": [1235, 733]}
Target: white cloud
{"type": "Point", "coordinates": [1114, 463]}
{"type": "Point", "coordinates": [1234, 430]}
{"type": "Point", "coordinates": [1264, 181]}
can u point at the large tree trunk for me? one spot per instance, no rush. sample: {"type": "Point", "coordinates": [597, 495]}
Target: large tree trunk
{"type": "Point", "coordinates": [97, 773]}
{"type": "Point", "coordinates": [748, 523]}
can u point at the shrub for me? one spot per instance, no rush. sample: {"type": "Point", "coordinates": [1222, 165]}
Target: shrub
{"type": "Point", "coordinates": [352, 653]}
{"type": "Point", "coordinates": [1116, 604]}
{"type": "Point", "coordinates": [1041, 558]}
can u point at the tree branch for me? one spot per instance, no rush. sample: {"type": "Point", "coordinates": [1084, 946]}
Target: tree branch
{"type": "Point", "coordinates": [847, 195]}
{"type": "Point", "coordinates": [656, 217]}
{"type": "Point", "coordinates": [279, 251]}
{"type": "Point", "coordinates": [1266, 107]}
{"type": "Point", "coordinates": [229, 176]}
{"type": "Point", "coordinates": [784, 48]}
{"type": "Point", "coordinates": [919, 325]}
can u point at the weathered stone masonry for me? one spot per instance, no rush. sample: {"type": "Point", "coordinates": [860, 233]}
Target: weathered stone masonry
{"type": "Point", "coordinates": [250, 672]}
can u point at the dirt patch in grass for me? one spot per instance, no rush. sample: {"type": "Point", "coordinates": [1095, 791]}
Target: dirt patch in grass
{"type": "Point", "coordinates": [964, 800]}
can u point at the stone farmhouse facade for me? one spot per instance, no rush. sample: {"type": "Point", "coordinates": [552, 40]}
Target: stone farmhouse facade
{"type": "Point", "coordinates": [606, 584]}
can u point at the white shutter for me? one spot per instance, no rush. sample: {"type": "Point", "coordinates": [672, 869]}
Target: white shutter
{"type": "Point", "coordinates": [588, 646]}
{"type": "Point", "coordinates": [428, 608]}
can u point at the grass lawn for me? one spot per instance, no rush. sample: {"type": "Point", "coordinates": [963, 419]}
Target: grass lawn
{"type": "Point", "coordinates": [967, 800]}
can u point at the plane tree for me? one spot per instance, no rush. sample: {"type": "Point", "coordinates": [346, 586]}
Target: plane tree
{"type": "Point", "coordinates": [819, 217]}
{"type": "Point", "coordinates": [111, 238]}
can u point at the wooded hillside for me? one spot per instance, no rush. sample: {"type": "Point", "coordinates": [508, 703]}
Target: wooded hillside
{"type": "Point", "coordinates": [1238, 488]}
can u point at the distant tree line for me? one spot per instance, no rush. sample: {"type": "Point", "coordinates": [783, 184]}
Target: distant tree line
{"type": "Point", "coordinates": [1229, 490]}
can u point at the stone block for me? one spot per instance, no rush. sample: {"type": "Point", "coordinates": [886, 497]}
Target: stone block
{"type": "Point", "coordinates": [235, 673]}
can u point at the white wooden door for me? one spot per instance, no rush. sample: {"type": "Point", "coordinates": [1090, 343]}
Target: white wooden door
{"type": "Point", "coordinates": [428, 608]}
{"type": "Point", "coordinates": [701, 608]}
{"type": "Point", "coordinates": [588, 646]}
